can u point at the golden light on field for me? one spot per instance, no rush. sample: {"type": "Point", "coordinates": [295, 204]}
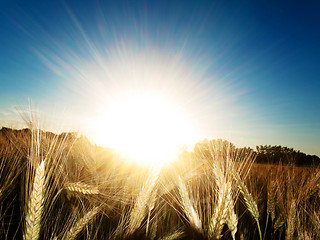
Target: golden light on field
{"type": "Point", "coordinates": [145, 127]}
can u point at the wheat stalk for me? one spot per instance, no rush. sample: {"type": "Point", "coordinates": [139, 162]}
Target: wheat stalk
{"type": "Point", "coordinates": [35, 205]}
{"type": "Point", "coordinates": [153, 229]}
{"type": "Point", "coordinates": [222, 167]}
{"type": "Point", "coordinates": [278, 223]}
{"type": "Point", "coordinates": [271, 208]}
{"type": "Point", "coordinates": [232, 222]}
{"type": "Point", "coordinates": [249, 201]}
{"type": "Point", "coordinates": [221, 210]}
{"type": "Point", "coordinates": [145, 199]}
{"type": "Point", "coordinates": [291, 220]}
{"type": "Point", "coordinates": [304, 236]}
{"type": "Point", "coordinates": [82, 222]}
{"type": "Point", "coordinates": [150, 205]}
{"type": "Point", "coordinates": [271, 205]}
{"type": "Point", "coordinates": [81, 188]}
{"type": "Point", "coordinates": [187, 205]}
{"type": "Point", "coordinates": [176, 235]}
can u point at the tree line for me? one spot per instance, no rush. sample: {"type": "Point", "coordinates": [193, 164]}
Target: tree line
{"type": "Point", "coordinates": [266, 154]}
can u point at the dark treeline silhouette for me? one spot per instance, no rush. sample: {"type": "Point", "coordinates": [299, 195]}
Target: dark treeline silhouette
{"type": "Point", "coordinates": [278, 154]}
{"type": "Point", "coordinates": [266, 154]}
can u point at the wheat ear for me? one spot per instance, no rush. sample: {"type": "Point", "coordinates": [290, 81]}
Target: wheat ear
{"type": "Point", "coordinates": [232, 222]}
{"type": "Point", "coordinates": [271, 206]}
{"type": "Point", "coordinates": [250, 203]}
{"type": "Point", "coordinates": [278, 223]}
{"type": "Point", "coordinates": [150, 205]}
{"type": "Point", "coordinates": [35, 205]}
{"type": "Point", "coordinates": [81, 188]}
{"type": "Point", "coordinates": [82, 222]}
{"type": "Point", "coordinates": [188, 208]}
{"type": "Point", "coordinates": [221, 210]}
{"type": "Point", "coordinates": [291, 220]}
{"type": "Point", "coordinates": [145, 199]}
{"type": "Point", "coordinates": [176, 235]}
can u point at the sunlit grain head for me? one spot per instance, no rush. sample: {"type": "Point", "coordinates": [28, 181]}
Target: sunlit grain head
{"type": "Point", "coordinates": [144, 126]}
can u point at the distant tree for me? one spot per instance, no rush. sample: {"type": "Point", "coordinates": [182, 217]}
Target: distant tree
{"type": "Point", "coordinates": [284, 155]}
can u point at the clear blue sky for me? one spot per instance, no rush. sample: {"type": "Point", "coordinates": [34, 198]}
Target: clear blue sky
{"type": "Point", "coordinates": [257, 62]}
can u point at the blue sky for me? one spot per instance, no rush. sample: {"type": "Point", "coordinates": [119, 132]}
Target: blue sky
{"type": "Point", "coordinates": [256, 64]}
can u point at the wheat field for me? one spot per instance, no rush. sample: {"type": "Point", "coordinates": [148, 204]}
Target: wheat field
{"type": "Point", "coordinates": [63, 187]}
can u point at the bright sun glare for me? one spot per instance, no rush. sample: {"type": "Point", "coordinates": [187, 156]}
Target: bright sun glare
{"type": "Point", "coordinates": [145, 127]}
{"type": "Point", "coordinates": [143, 102]}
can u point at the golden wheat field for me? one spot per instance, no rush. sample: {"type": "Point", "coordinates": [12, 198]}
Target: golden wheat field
{"type": "Point", "coordinates": [63, 187]}
{"type": "Point", "coordinates": [159, 120]}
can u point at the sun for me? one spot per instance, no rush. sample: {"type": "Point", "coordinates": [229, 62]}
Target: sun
{"type": "Point", "coordinates": [146, 128]}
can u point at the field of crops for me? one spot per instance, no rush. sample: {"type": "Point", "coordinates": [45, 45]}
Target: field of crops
{"type": "Point", "coordinates": [62, 187]}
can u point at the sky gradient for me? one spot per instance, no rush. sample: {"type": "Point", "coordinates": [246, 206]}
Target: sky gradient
{"type": "Point", "coordinates": [248, 72]}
